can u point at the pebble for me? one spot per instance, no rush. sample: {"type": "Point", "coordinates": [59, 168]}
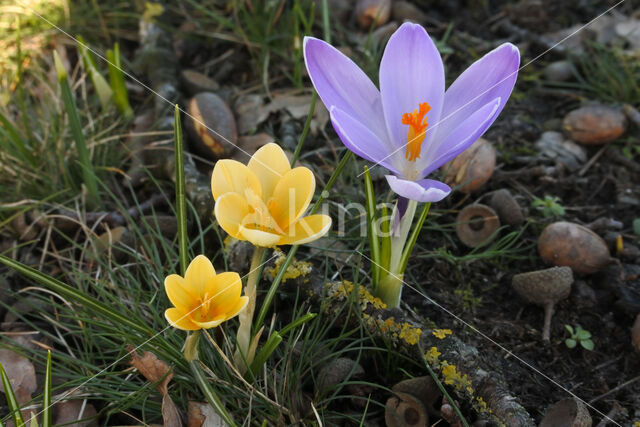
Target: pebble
{"type": "Point", "coordinates": [213, 128]}
{"type": "Point", "coordinates": [196, 82]}
{"type": "Point", "coordinates": [555, 146]}
{"type": "Point", "coordinates": [405, 11]}
{"type": "Point", "coordinates": [595, 124]}
{"type": "Point", "coordinates": [559, 71]}
{"type": "Point", "coordinates": [472, 168]}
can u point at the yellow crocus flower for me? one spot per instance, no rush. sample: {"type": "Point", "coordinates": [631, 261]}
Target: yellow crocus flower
{"type": "Point", "coordinates": [263, 202]}
{"type": "Point", "coordinates": [203, 299]}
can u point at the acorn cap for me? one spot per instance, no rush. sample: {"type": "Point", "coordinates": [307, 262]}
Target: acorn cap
{"type": "Point", "coordinates": [544, 286]}
{"type": "Point", "coordinates": [424, 388]}
{"type": "Point", "coordinates": [569, 412]}
{"type": "Point", "coordinates": [405, 410]}
{"type": "Point", "coordinates": [476, 223]}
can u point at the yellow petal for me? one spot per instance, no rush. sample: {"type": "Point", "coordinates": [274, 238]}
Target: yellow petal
{"type": "Point", "coordinates": [198, 275]}
{"type": "Point", "coordinates": [225, 292]}
{"type": "Point", "coordinates": [259, 237]}
{"type": "Point", "coordinates": [269, 164]}
{"type": "Point", "coordinates": [306, 230]}
{"type": "Point", "coordinates": [238, 307]}
{"type": "Point", "coordinates": [230, 211]}
{"type": "Point", "coordinates": [210, 323]}
{"type": "Point", "coordinates": [179, 292]}
{"type": "Point", "coordinates": [179, 319]}
{"type": "Point", "coordinates": [232, 176]}
{"type": "Point", "coordinates": [291, 196]}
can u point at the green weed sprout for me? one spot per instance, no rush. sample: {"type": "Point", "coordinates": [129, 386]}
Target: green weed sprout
{"type": "Point", "coordinates": [578, 335]}
{"type": "Point", "coordinates": [549, 206]}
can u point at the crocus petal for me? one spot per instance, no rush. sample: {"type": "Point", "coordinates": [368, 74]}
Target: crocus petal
{"type": "Point", "coordinates": [492, 76]}
{"type": "Point", "coordinates": [230, 210]}
{"type": "Point", "coordinates": [306, 230]}
{"type": "Point", "coordinates": [426, 190]}
{"type": "Point", "coordinates": [224, 291]}
{"type": "Point", "coordinates": [269, 164]}
{"type": "Point", "coordinates": [359, 139]}
{"type": "Point", "coordinates": [180, 319]}
{"type": "Point", "coordinates": [341, 83]}
{"type": "Point", "coordinates": [463, 136]}
{"type": "Point", "coordinates": [198, 274]}
{"type": "Point", "coordinates": [232, 176]}
{"type": "Point", "coordinates": [240, 304]}
{"type": "Point", "coordinates": [292, 196]}
{"type": "Point", "coordinates": [179, 292]}
{"type": "Point", "coordinates": [411, 72]}
{"type": "Point", "coordinates": [210, 323]}
{"type": "Point", "coordinates": [258, 237]}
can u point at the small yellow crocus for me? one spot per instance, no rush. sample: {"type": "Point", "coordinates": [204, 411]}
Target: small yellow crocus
{"type": "Point", "coordinates": [263, 202]}
{"type": "Point", "coordinates": [203, 299]}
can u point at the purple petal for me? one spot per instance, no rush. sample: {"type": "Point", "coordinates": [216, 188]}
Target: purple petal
{"type": "Point", "coordinates": [341, 83]}
{"type": "Point", "coordinates": [463, 136]}
{"type": "Point", "coordinates": [425, 190]}
{"type": "Point", "coordinates": [359, 139]}
{"type": "Point", "coordinates": [411, 72]}
{"type": "Point", "coordinates": [490, 77]}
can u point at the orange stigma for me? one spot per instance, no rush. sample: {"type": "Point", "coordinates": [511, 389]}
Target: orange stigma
{"type": "Point", "coordinates": [417, 122]}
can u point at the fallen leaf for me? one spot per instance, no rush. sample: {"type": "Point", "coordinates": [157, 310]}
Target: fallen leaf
{"type": "Point", "coordinates": [154, 370]}
{"type": "Point", "coordinates": [21, 373]}
{"type": "Point", "coordinates": [201, 414]}
{"type": "Point", "coordinates": [68, 411]}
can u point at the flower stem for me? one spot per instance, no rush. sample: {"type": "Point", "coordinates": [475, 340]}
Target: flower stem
{"type": "Point", "coordinates": [242, 358]}
{"type": "Point", "coordinates": [191, 346]}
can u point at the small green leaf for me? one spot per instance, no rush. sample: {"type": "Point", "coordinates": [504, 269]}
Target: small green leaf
{"type": "Point", "coordinates": [571, 343]}
{"type": "Point", "coordinates": [636, 226]}
{"type": "Point", "coordinates": [583, 335]}
{"type": "Point", "coordinates": [587, 344]}
{"type": "Point", "coordinates": [12, 402]}
{"type": "Point", "coordinates": [570, 329]}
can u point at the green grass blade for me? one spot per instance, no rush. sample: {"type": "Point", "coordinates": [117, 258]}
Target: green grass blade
{"type": "Point", "coordinates": [46, 394]}
{"type": "Point", "coordinates": [181, 199]}
{"type": "Point", "coordinates": [116, 78]}
{"type": "Point", "coordinates": [385, 239]}
{"type": "Point", "coordinates": [305, 131]}
{"type": "Point", "coordinates": [76, 130]}
{"type": "Point", "coordinates": [272, 343]}
{"type": "Point", "coordinates": [374, 241]}
{"type": "Point", "coordinates": [209, 393]}
{"type": "Point", "coordinates": [13, 136]}
{"type": "Point", "coordinates": [12, 402]}
{"type": "Point", "coordinates": [408, 247]}
{"type": "Point", "coordinates": [104, 91]}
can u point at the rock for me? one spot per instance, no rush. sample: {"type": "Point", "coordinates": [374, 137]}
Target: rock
{"type": "Point", "coordinates": [402, 11]}
{"type": "Point", "coordinates": [249, 144]}
{"type": "Point", "coordinates": [212, 129]}
{"type": "Point", "coordinates": [372, 12]}
{"type": "Point", "coordinates": [595, 124]}
{"type": "Point", "coordinates": [567, 244]}
{"type": "Point", "coordinates": [568, 412]}
{"type": "Point", "coordinates": [559, 71]}
{"type": "Point", "coordinates": [382, 34]}
{"type": "Point", "coordinates": [472, 168]}
{"type": "Point", "coordinates": [554, 146]}
{"type": "Point", "coordinates": [506, 207]}
{"type": "Point", "coordinates": [583, 296]}
{"type": "Point", "coordinates": [196, 82]}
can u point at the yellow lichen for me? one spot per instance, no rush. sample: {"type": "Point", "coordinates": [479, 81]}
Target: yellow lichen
{"type": "Point", "coordinates": [296, 268]}
{"type": "Point", "coordinates": [441, 333]}
{"type": "Point", "coordinates": [432, 355]}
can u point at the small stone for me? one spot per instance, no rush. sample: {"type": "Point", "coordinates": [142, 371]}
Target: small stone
{"type": "Point", "coordinates": [196, 82]}
{"type": "Point", "coordinates": [506, 207]}
{"type": "Point", "coordinates": [595, 124]}
{"type": "Point", "coordinates": [559, 71]}
{"type": "Point", "coordinates": [211, 126]}
{"type": "Point", "coordinates": [249, 144]}
{"type": "Point", "coordinates": [405, 11]}
{"type": "Point", "coordinates": [372, 12]}
{"type": "Point", "coordinates": [554, 146]}
{"type": "Point", "coordinates": [471, 169]}
{"type": "Point", "coordinates": [583, 295]}
{"type": "Point", "coordinates": [382, 34]}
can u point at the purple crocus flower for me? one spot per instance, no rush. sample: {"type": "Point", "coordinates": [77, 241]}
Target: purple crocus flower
{"type": "Point", "coordinates": [411, 126]}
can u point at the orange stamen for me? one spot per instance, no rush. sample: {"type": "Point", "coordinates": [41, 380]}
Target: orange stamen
{"type": "Point", "coordinates": [417, 122]}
